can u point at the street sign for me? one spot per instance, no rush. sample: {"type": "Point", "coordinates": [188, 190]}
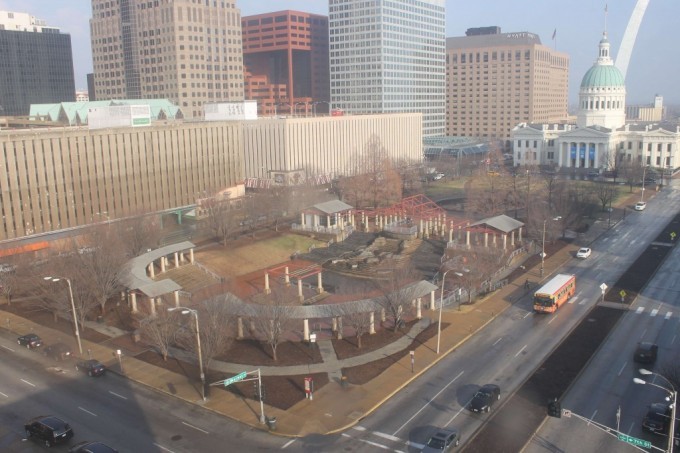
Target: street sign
{"type": "Point", "coordinates": [566, 413]}
{"type": "Point", "coordinates": [543, 255]}
{"type": "Point", "coordinates": [635, 441]}
{"type": "Point", "coordinates": [622, 293]}
{"type": "Point", "coordinates": [238, 377]}
{"type": "Point", "coordinates": [603, 287]}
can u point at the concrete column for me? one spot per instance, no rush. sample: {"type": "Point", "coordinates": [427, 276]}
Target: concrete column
{"type": "Point", "coordinates": [334, 324]}
{"type": "Point", "coordinates": [287, 277]}
{"type": "Point", "coordinates": [267, 290]}
{"type": "Point", "coordinates": [420, 230]}
{"type": "Point", "coordinates": [505, 241]}
{"type": "Point", "coordinates": [152, 272]}
{"type": "Point", "coordinates": [300, 296]}
{"type": "Point", "coordinates": [133, 301]}
{"type": "Point", "coordinates": [152, 306]}
{"type": "Point", "coordinates": [419, 308]}
{"type": "Point", "coordinates": [328, 221]}
{"type": "Point", "coordinates": [176, 259]}
{"type": "Point", "coordinates": [339, 336]}
{"type": "Point", "coordinates": [305, 329]}
{"type": "Point", "coordinates": [486, 239]}
{"type": "Point", "coordinates": [520, 234]}
{"type": "Point", "coordinates": [176, 293]}
{"type": "Point", "coordinates": [239, 328]}
{"type": "Point", "coordinates": [494, 240]}
{"type": "Point", "coordinates": [432, 299]}
{"type": "Point", "coordinates": [467, 238]}
{"type": "Point", "coordinates": [319, 283]}
{"type": "Point", "coordinates": [512, 238]}
{"type": "Point", "coordinates": [191, 256]}
{"type": "Point", "coordinates": [371, 323]}
{"type": "Point", "coordinates": [383, 317]}
{"type": "Point", "coordinates": [450, 235]}
{"type": "Point", "coordinates": [302, 219]}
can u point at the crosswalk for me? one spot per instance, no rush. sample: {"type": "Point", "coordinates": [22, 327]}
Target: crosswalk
{"type": "Point", "coordinates": [653, 312]}
{"type": "Point", "coordinates": [382, 441]}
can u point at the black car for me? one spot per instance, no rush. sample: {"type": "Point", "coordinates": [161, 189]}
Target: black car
{"type": "Point", "coordinates": [30, 340]}
{"type": "Point", "coordinates": [485, 397]}
{"type": "Point", "coordinates": [658, 418]}
{"type": "Point", "coordinates": [92, 447]}
{"type": "Point", "coordinates": [91, 367]}
{"type": "Point", "coordinates": [58, 351]}
{"type": "Point", "coordinates": [645, 353]}
{"type": "Point", "coordinates": [442, 440]}
{"type": "Point", "coordinates": [48, 429]}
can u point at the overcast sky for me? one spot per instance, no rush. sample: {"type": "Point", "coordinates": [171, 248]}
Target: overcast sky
{"type": "Point", "coordinates": [654, 66]}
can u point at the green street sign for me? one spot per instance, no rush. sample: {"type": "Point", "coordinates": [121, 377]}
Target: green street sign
{"type": "Point", "coordinates": [635, 441]}
{"type": "Point", "coordinates": [238, 377]}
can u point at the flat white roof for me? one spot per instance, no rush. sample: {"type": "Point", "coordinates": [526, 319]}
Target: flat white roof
{"type": "Point", "coordinates": [554, 284]}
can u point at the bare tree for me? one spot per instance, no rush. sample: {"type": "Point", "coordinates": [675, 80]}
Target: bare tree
{"type": "Point", "coordinates": [137, 234]}
{"type": "Point", "coordinates": [222, 220]}
{"type": "Point", "coordinates": [477, 267]}
{"type": "Point", "coordinates": [215, 323]}
{"type": "Point", "coordinates": [396, 291]}
{"type": "Point", "coordinates": [360, 322]}
{"type": "Point", "coordinates": [272, 315]}
{"type": "Point", "coordinates": [604, 192]}
{"type": "Point", "coordinates": [160, 331]}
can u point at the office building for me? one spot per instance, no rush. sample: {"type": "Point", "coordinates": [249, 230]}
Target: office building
{"type": "Point", "coordinates": [36, 64]}
{"type": "Point", "coordinates": [497, 80]}
{"type": "Point", "coordinates": [186, 51]}
{"type": "Point", "coordinates": [654, 112]}
{"type": "Point", "coordinates": [388, 56]}
{"type": "Point", "coordinates": [285, 56]}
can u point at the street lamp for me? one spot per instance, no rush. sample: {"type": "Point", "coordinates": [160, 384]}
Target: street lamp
{"type": "Point", "coordinates": [673, 394]}
{"type": "Point", "coordinates": [642, 192]}
{"type": "Point", "coordinates": [543, 248]}
{"type": "Point", "coordinates": [441, 304]}
{"type": "Point", "coordinates": [73, 307]}
{"type": "Point", "coordinates": [194, 313]}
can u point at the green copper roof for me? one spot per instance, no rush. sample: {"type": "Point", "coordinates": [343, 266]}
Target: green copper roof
{"type": "Point", "coordinates": [603, 76]}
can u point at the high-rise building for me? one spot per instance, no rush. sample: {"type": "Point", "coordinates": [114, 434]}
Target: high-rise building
{"type": "Point", "coordinates": [389, 56]}
{"type": "Point", "coordinates": [186, 51]}
{"type": "Point", "coordinates": [497, 80]}
{"type": "Point", "coordinates": [36, 64]}
{"type": "Point", "coordinates": [285, 55]}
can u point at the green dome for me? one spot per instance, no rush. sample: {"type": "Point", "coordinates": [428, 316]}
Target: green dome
{"type": "Point", "coordinates": [603, 75]}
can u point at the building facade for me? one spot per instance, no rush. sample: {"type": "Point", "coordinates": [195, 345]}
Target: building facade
{"type": "Point", "coordinates": [186, 51]}
{"type": "Point", "coordinates": [388, 57]}
{"type": "Point", "coordinates": [36, 64]}
{"type": "Point", "coordinates": [497, 80]}
{"type": "Point", "coordinates": [285, 58]}
{"type": "Point", "coordinates": [65, 177]}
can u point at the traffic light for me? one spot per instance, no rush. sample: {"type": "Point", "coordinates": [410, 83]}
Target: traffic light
{"type": "Point", "coordinates": [555, 409]}
{"type": "Point", "coordinates": [264, 393]}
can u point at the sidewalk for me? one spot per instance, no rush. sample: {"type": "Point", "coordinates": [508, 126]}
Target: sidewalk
{"type": "Point", "coordinates": [335, 407]}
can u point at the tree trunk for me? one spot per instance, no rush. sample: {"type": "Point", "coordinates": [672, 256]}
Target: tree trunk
{"type": "Point", "coordinates": [274, 353]}
{"type": "Point", "coordinates": [55, 317]}
{"type": "Point", "coordinates": [358, 341]}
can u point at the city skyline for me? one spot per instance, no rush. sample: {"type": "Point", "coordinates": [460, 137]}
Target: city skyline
{"type": "Point", "coordinates": [577, 27]}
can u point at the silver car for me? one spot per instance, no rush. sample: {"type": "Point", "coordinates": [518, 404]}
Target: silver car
{"type": "Point", "coordinates": [442, 440]}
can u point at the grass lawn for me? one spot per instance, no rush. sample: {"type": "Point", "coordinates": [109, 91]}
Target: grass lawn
{"type": "Point", "coordinates": [445, 188]}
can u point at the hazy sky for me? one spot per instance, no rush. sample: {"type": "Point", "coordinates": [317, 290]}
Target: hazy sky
{"type": "Point", "coordinates": [654, 66]}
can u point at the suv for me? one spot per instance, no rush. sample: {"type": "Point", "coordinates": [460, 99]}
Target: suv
{"type": "Point", "coordinates": [30, 340]}
{"type": "Point", "coordinates": [49, 429]}
{"type": "Point", "coordinates": [485, 397]}
{"type": "Point", "coordinates": [91, 367]}
{"type": "Point", "coordinates": [442, 440]}
{"type": "Point", "coordinates": [646, 353]}
{"type": "Point", "coordinates": [58, 351]}
{"type": "Point", "coordinates": [92, 447]}
{"type": "Point", "coordinates": [657, 419]}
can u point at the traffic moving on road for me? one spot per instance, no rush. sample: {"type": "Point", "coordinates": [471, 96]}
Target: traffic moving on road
{"type": "Point", "coordinates": [549, 297]}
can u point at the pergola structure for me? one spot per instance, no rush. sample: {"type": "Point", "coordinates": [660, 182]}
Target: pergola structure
{"type": "Point", "coordinates": [291, 271]}
{"type": "Point", "coordinates": [501, 226]}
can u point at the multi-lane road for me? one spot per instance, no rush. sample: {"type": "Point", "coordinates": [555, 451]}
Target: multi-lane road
{"type": "Point", "coordinates": [510, 348]}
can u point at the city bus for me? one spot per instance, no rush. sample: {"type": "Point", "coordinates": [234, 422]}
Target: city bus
{"type": "Point", "coordinates": [549, 297]}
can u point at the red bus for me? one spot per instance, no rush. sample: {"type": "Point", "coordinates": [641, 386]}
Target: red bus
{"type": "Point", "coordinates": [549, 297]}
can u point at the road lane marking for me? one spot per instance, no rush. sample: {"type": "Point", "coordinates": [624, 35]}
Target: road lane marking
{"type": "Point", "coordinates": [639, 310]}
{"type": "Point", "coordinates": [592, 417]}
{"type": "Point", "coordinates": [654, 312]}
{"type": "Point", "coordinates": [643, 334]}
{"type": "Point", "coordinates": [631, 427]}
{"type": "Point", "coordinates": [673, 340]}
{"type": "Point", "coordinates": [384, 447]}
{"type": "Point", "coordinates": [520, 351]}
{"type": "Point", "coordinates": [29, 383]}
{"type": "Point", "coordinates": [458, 413]}
{"type": "Point", "coordinates": [196, 428]}
{"type": "Point", "coordinates": [529, 313]}
{"type": "Point", "coordinates": [288, 443]}
{"type": "Point", "coordinates": [85, 410]}
{"type": "Point", "coordinates": [387, 436]}
{"type": "Point", "coordinates": [496, 342]}
{"type": "Point", "coordinates": [428, 403]}
{"type": "Point", "coordinates": [9, 349]}
{"type": "Point", "coordinates": [552, 318]}
{"type": "Point", "coordinates": [583, 301]}
{"type": "Point", "coordinates": [622, 368]}
{"type": "Point", "coordinates": [572, 300]}
{"type": "Point", "coordinates": [163, 448]}
{"type": "Point", "coordinates": [359, 428]}
{"type": "Point", "coordinates": [4, 395]}
{"type": "Point", "coordinates": [119, 396]}
{"type": "Point", "coordinates": [668, 315]}
{"type": "Point", "coordinates": [415, 444]}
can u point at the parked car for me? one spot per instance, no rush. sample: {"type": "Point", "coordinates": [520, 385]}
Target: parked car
{"type": "Point", "coordinates": [48, 429]}
{"type": "Point", "coordinates": [583, 252]}
{"type": "Point", "coordinates": [30, 340]}
{"type": "Point", "coordinates": [657, 419]}
{"type": "Point", "coordinates": [91, 367]}
{"type": "Point", "coordinates": [646, 353]}
{"type": "Point", "coordinates": [58, 351]}
{"type": "Point", "coordinates": [640, 205]}
{"type": "Point", "coordinates": [485, 397]}
{"type": "Point", "coordinates": [442, 440]}
{"type": "Point", "coordinates": [593, 174]}
{"type": "Point", "coordinates": [92, 447]}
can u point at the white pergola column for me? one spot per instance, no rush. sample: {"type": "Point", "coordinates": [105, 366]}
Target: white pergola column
{"type": "Point", "coordinates": [419, 308]}
{"type": "Point", "coordinates": [519, 232]}
{"type": "Point", "coordinates": [319, 283]}
{"type": "Point", "coordinates": [305, 329]}
{"type": "Point", "coordinates": [486, 239]}
{"type": "Point", "coordinates": [371, 323]}
{"type": "Point", "coordinates": [512, 238]}
{"type": "Point", "coordinates": [133, 301]}
{"type": "Point", "coordinates": [239, 328]}
{"type": "Point", "coordinates": [467, 238]}
{"type": "Point", "coordinates": [302, 219]}
{"type": "Point", "coordinates": [339, 333]}
{"type": "Point", "coordinates": [191, 256]}
{"type": "Point", "coordinates": [176, 294]}
{"type": "Point", "coordinates": [334, 324]}
{"type": "Point", "coordinates": [432, 299]}
{"type": "Point", "coordinates": [152, 271]}
{"type": "Point", "coordinates": [300, 296]}
{"type": "Point", "coordinates": [383, 317]}
{"type": "Point", "coordinates": [152, 306]}
{"type": "Point", "coordinates": [267, 290]}
{"type": "Point", "coordinates": [287, 277]}
{"type": "Point", "coordinates": [163, 258]}
{"type": "Point", "coordinates": [505, 241]}
{"type": "Point", "coordinates": [176, 259]}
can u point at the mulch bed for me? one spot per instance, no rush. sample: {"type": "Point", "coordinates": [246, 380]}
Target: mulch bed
{"type": "Point", "coordinates": [251, 352]}
{"type": "Point", "coordinates": [362, 374]}
{"type": "Point", "coordinates": [347, 347]}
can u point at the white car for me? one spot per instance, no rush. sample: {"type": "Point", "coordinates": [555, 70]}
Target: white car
{"type": "Point", "coordinates": [640, 206]}
{"type": "Point", "coordinates": [583, 252]}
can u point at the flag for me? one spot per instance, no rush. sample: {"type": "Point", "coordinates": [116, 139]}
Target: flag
{"type": "Point", "coordinates": [554, 34]}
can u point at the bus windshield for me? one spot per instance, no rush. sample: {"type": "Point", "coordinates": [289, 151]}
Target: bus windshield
{"type": "Point", "coordinates": [543, 301]}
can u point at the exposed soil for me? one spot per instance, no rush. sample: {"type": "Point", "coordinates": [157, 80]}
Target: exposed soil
{"type": "Point", "coordinates": [251, 352]}
{"type": "Point", "coordinates": [348, 346]}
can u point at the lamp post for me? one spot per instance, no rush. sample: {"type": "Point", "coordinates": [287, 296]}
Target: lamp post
{"type": "Point", "coordinates": [441, 305]}
{"type": "Point", "coordinates": [543, 248]}
{"type": "Point", "coordinates": [642, 192]}
{"type": "Point", "coordinates": [194, 313]}
{"type": "Point", "coordinates": [73, 308]}
{"type": "Point", "coordinates": [673, 395]}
